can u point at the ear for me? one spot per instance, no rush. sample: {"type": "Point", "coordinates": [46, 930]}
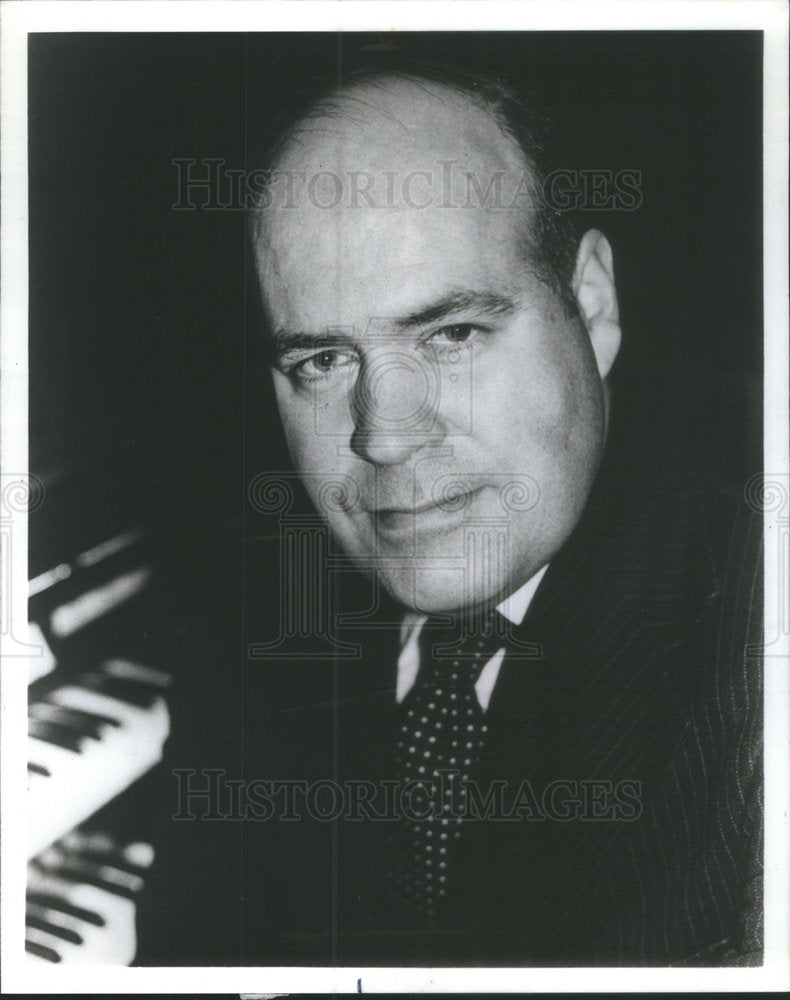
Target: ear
{"type": "Point", "coordinates": [596, 295]}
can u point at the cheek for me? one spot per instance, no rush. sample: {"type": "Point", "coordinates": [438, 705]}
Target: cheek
{"type": "Point", "coordinates": [298, 422]}
{"type": "Point", "coordinates": [549, 425]}
{"type": "Point", "coordinates": [313, 444]}
{"type": "Point", "coordinates": [533, 414]}
{"type": "Point", "coordinates": [313, 420]}
{"type": "Point", "coordinates": [571, 418]}
{"type": "Point", "coordinates": [562, 401]}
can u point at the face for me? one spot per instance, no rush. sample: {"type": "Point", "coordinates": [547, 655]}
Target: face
{"type": "Point", "coordinates": [446, 415]}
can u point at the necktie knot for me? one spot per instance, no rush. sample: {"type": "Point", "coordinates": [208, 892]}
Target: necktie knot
{"type": "Point", "coordinates": [459, 654]}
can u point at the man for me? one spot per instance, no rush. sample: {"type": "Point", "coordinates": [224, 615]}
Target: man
{"type": "Point", "coordinates": [442, 354]}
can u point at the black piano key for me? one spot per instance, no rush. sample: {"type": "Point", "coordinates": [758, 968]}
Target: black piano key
{"type": "Point", "coordinates": [48, 901]}
{"type": "Point", "coordinates": [82, 878]}
{"type": "Point", "coordinates": [51, 732]}
{"type": "Point", "coordinates": [89, 874]}
{"type": "Point", "coordinates": [42, 951]}
{"type": "Point", "coordinates": [133, 692]}
{"type": "Point", "coordinates": [64, 933]}
{"type": "Point", "coordinates": [84, 723]}
{"type": "Point", "coordinates": [115, 859]}
{"type": "Point", "coordinates": [37, 769]}
{"type": "Point", "coordinates": [81, 713]}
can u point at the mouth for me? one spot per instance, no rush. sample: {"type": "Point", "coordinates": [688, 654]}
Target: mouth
{"type": "Point", "coordinates": [423, 517]}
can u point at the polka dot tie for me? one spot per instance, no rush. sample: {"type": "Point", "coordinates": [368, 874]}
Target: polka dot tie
{"type": "Point", "coordinates": [440, 738]}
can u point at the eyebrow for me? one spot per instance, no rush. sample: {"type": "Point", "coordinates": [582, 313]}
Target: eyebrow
{"type": "Point", "coordinates": [283, 340]}
{"type": "Point", "coordinates": [488, 303]}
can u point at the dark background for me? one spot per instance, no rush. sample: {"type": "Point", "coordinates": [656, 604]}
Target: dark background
{"type": "Point", "coordinates": [144, 324]}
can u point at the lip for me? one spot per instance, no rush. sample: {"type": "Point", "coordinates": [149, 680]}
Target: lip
{"type": "Point", "coordinates": [393, 521]}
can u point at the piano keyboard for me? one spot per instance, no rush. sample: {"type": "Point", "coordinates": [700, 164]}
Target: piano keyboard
{"type": "Point", "coordinates": [80, 900]}
{"type": "Point", "coordinates": [88, 741]}
{"type": "Point", "coordinates": [97, 723]}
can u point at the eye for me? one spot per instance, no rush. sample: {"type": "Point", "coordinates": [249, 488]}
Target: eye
{"type": "Point", "coordinates": [322, 364]}
{"type": "Point", "coordinates": [455, 333]}
{"type": "Point", "coordinates": [450, 340]}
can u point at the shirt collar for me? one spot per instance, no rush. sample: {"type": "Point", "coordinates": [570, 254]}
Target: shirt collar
{"type": "Point", "coordinates": [514, 608]}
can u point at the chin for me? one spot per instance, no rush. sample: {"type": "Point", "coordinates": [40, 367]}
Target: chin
{"type": "Point", "coordinates": [439, 591]}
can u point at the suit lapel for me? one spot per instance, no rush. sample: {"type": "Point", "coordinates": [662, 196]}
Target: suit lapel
{"type": "Point", "coordinates": [608, 695]}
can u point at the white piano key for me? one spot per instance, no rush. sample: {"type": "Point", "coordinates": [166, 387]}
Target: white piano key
{"type": "Point", "coordinates": [61, 925]}
{"type": "Point", "coordinates": [81, 783]}
{"type": "Point", "coordinates": [108, 548]}
{"type": "Point", "coordinates": [69, 618]}
{"type": "Point", "coordinates": [48, 579]}
{"type": "Point", "coordinates": [51, 945]}
{"type": "Point", "coordinates": [42, 662]}
{"type": "Point", "coordinates": [131, 671]}
{"type": "Point", "coordinates": [139, 853]}
{"type": "Point", "coordinates": [85, 724]}
{"type": "Point", "coordinates": [90, 557]}
{"type": "Point", "coordinates": [56, 760]}
{"type": "Point", "coordinates": [114, 943]}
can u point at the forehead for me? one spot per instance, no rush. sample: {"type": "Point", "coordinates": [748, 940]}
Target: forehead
{"type": "Point", "coordinates": [392, 194]}
{"type": "Point", "coordinates": [393, 122]}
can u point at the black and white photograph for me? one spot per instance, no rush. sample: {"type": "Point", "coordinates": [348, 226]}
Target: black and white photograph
{"type": "Point", "coordinates": [400, 524]}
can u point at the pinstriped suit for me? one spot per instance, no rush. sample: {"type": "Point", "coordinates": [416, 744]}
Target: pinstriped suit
{"type": "Point", "coordinates": [642, 683]}
{"type": "Point", "coordinates": [644, 679]}
{"type": "Point", "coordinates": [642, 622]}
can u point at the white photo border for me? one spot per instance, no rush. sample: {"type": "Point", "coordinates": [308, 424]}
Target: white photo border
{"type": "Point", "coordinates": [19, 19]}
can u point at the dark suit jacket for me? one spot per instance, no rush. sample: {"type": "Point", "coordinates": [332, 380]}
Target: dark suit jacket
{"type": "Point", "coordinates": [636, 728]}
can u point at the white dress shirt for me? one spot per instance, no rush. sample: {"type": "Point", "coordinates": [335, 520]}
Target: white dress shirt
{"type": "Point", "coordinates": [514, 608]}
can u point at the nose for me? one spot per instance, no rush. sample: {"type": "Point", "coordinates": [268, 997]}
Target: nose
{"type": "Point", "coordinates": [395, 407]}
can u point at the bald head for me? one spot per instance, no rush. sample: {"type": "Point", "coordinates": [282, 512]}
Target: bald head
{"type": "Point", "coordinates": [412, 121]}
{"type": "Point", "coordinates": [407, 144]}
